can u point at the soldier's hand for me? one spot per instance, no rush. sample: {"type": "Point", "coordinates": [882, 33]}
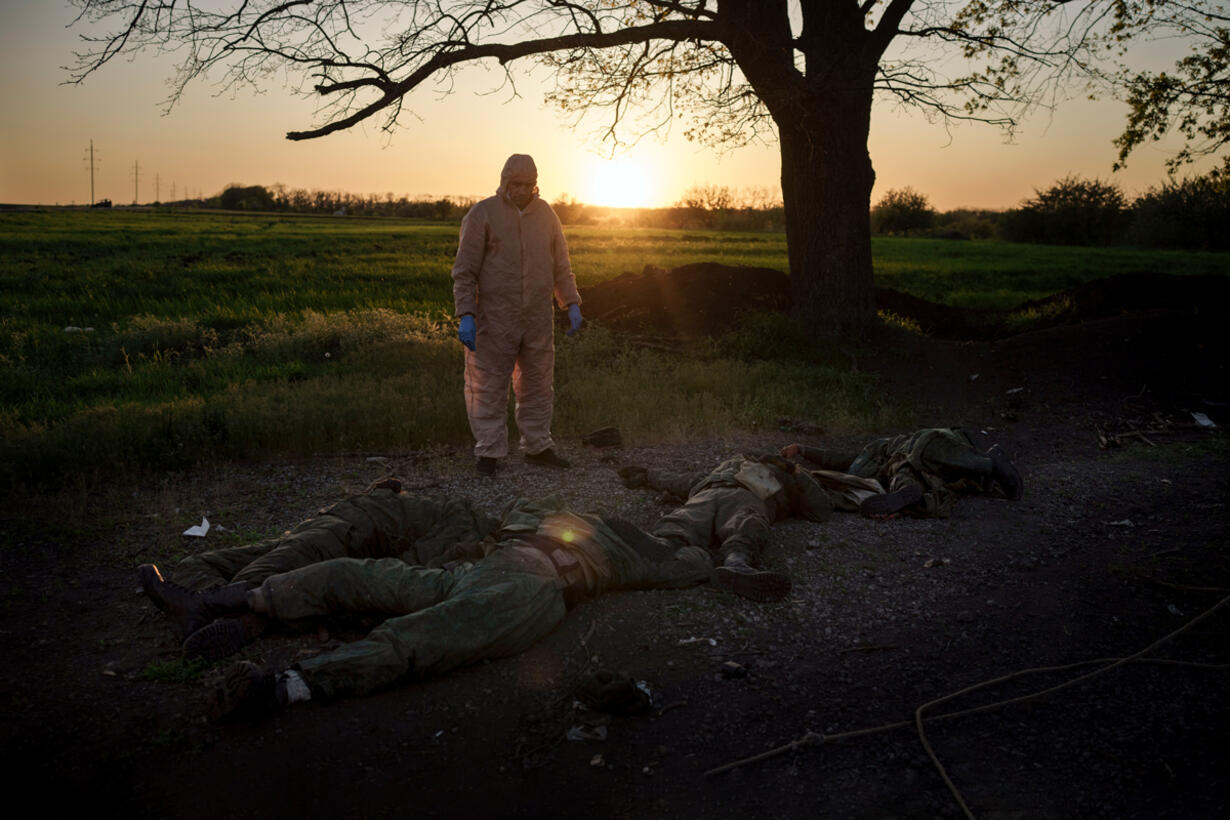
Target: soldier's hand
{"type": "Point", "coordinates": [791, 450]}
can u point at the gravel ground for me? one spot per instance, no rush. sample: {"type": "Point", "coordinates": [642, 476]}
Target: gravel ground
{"type": "Point", "coordinates": [1109, 551]}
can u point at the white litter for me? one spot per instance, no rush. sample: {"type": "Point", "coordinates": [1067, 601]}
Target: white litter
{"type": "Point", "coordinates": [200, 529]}
{"type": "Point", "coordinates": [1202, 419]}
{"type": "Point", "coordinates": [689, 641]}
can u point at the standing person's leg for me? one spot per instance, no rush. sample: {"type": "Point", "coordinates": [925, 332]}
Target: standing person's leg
{"type": "Point", "coordinates": [533, 383]}
{"type": "Point", "coordinates": [487, 373]}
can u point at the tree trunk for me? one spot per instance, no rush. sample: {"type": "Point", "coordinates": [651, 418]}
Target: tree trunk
{"type": "Point", "coordinates": [826, 188]}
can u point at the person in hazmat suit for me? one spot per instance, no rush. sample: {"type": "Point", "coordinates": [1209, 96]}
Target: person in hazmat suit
{"type": "Point", "coordinates": [511, 259]}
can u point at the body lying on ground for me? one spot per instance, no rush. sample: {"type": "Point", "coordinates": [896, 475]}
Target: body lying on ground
{"type": "Point", "coordinates": [493, 594]}
{"type": "Point", "coordinates": [729, 510]}
{"type": "Point", "coordinates": [916, 473]}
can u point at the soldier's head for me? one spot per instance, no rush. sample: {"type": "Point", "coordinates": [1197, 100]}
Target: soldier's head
{"type": "Point", "coordinates": [519, 180]}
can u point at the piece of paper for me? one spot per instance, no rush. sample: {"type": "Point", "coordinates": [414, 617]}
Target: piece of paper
{"type": "Point", "coordinates": [200, 529]}
{"type": "Point", "coordinates": [1202, 419]}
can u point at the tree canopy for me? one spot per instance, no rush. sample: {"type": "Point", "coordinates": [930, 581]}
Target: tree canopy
{"type": "Point", "coordinates": [1194, 100]}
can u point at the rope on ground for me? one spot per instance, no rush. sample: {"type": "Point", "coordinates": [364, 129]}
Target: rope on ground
{"type": "Point", "coordinates": [918, 719]}
{"type": "Point", "coordinates": [818, 738]}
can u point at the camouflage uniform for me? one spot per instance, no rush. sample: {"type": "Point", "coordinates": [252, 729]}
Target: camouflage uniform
{"type": "Point", "coordinates": [546, 559]}
{"type": "Point", "coordinates": [936, 460]}
{"type": "Point", "coordinates": [731, 508]}
{"type": "Point", "coordinates": [379, 524]}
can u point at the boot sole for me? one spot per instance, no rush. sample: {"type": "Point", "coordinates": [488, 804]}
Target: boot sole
{"type": "Point", "coordinates": [220, 639]}
{"type": "Point", "coordinates": [764, 587]}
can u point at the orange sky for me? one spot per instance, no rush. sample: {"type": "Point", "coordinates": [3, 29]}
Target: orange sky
{"type": "Point", "coordinates": [455, 145]}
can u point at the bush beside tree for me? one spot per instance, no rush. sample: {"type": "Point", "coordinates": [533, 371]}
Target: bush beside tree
{"type": "Point", "coordinates": [900, 211]}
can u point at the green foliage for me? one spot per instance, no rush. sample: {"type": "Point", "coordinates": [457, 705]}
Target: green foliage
{"type": "Point", "coordinates": [1073, 211]}
{"type": "Point", "coordinates": [900, 211]}
{"type": "Point", "coordinates": [600, 380]}
{"type": "Point", "coordinates": [132, 341]}
{"type": "Point", "coordinates": [1193, 100]}
{"type": "Point", "coordinates": [250, 198]}
{"type": "Point", "coordinates": [1001, 275]}
{"type": "Point", "coordinates": [770, 336]}
{"type": "Point", "coordinates": [1191, 213]}
{"type": "Point", "coordinates": [967, 223]}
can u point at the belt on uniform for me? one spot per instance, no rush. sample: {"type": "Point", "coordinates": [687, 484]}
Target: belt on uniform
{"type": "Point", "coordinates": [567, 566]}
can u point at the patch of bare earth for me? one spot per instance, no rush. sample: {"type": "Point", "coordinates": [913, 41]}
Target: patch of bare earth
{"type": "Point", "coordinates": [1119, 543]}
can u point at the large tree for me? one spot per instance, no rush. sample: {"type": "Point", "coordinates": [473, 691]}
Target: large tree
{"type": "Point", "coordinates": [803, 72]}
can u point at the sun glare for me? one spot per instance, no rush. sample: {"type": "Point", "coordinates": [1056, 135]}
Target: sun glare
{"type": "Point", "coordinates": [618, 184]}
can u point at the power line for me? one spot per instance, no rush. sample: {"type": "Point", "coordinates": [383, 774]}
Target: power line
{"type": "Point", "coordinates": [92, 161]}
{"type": "Point", "coordinates": [136, 180]}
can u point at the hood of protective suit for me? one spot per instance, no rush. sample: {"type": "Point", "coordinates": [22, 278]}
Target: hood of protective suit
{"type": "Point", "coordinates": [518, 167]}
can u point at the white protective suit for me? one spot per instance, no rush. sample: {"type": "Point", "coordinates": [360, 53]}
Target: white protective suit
{"type": "Point", "coordinates": [509, 263]}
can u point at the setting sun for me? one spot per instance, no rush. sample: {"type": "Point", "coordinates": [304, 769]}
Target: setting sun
{"type": "Point", "coordinates": [618, 184]}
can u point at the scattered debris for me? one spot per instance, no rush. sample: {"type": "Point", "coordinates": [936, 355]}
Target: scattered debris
{"type": "Point", "coordinates": [936, 562]}
{"type": "Point", "coordinates": [199, 530]}
{"type": "Point", "coordinates": [690, 641]}
{"type": "Point", "coordinates": [1203, 420]}
{"type": "Point", "coordinates": [1122, 522]}
{"type": "Point", "coordinates": [580, 732]}
{"type": "Point", "coordinates": [731, 670]}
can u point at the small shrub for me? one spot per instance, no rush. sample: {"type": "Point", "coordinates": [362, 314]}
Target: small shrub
{"type": "Point", "coordinates": [1192, 213]}
{"type": "Point", "coordinates": [1073, 211]}
{"type": "Point", "coordinates": [901, 211]}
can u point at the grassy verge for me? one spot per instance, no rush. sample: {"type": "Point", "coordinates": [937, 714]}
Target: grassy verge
{"type": "Point", "coordinates": [149, 340]}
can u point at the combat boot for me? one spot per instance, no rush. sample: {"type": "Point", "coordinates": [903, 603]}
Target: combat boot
{"type": "Point", "coordinates": [737, 576]}
{"type": "Point", "coordinates": [1005, 473]}
{"type": "Point", "coordinates": [188, 610]}
{"type": "Point", "coordinates": [225, 636]}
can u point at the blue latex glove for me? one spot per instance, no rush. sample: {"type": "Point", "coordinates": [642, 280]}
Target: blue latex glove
{"type": "Point", "coordinates": [466, 332]}
{"type": "Point", "coordinates": [574, 319]}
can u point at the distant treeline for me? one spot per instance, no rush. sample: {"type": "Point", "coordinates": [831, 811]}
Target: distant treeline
{"type": "Point", "coordinates": [1190, 213]}
{"type": "Point", "coordinates": [279, 198]}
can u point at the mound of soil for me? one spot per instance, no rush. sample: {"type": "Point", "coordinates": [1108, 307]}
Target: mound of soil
{"type": "Point", "coordinates": [705, 299]}
{"type": "Point", "coordinates": [1118, 548]}
{"type": "Point", "coordinates": [702, 299]}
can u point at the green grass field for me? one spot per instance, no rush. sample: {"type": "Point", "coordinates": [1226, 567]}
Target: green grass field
{"type": "Point", "coordinates": [141, 339]}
